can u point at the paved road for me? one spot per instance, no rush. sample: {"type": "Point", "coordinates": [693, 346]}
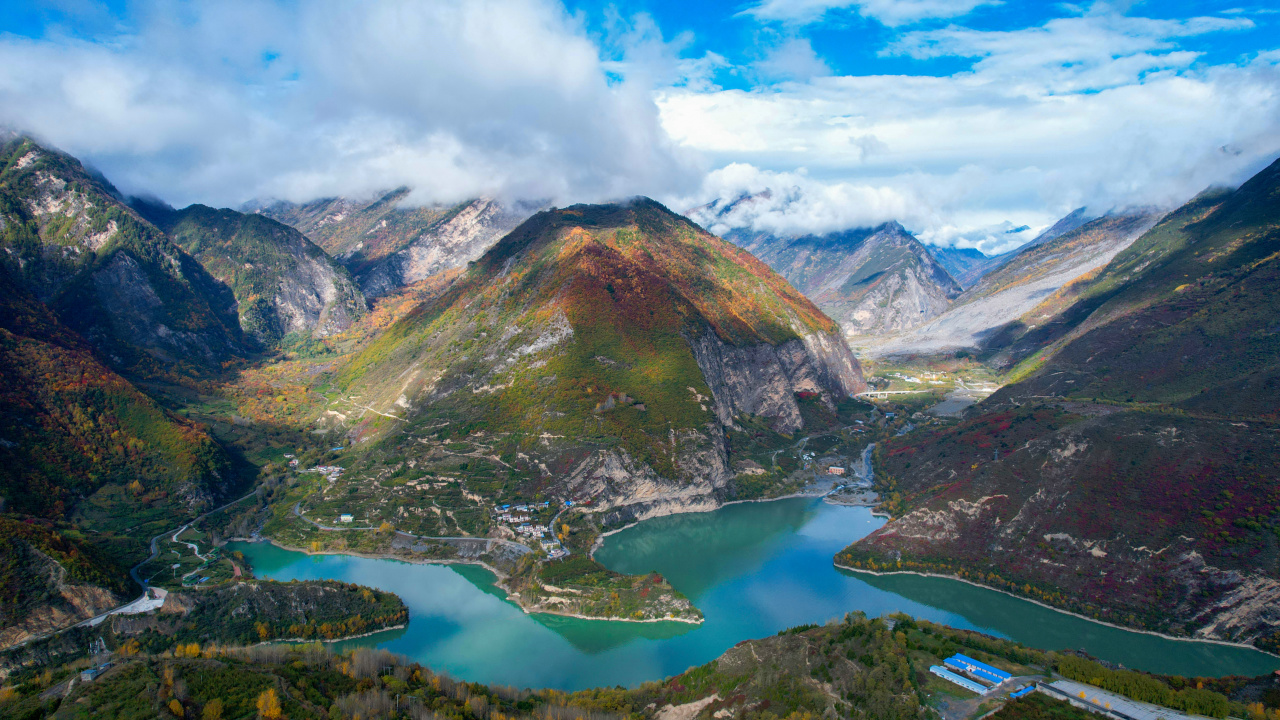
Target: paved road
{"type": "Point", "coordinates": [518, 547]}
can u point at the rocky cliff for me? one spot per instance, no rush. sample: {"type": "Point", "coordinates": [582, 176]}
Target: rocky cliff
{"type": "Point", "coordinates": [109, 274]}
{"type": "Point", "coordinates": [462, 235]}
{"type": "Point", "coordinates": [283, 283]}
{"type": "Point", "coordinates": [388, 243]}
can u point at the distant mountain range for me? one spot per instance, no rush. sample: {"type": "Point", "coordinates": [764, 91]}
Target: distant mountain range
{"type": "Point", "coordinates": [1010, 291]}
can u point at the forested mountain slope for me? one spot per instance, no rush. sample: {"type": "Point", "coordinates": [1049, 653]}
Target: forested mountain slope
{"type": "Point", "coordinates": [89, 468]}
{"type": "Point", "coordinates": [1134, 472]}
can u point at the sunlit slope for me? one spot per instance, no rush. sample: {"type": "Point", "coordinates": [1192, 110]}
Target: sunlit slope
{"type": "Point", "coordinates": [872, 281]}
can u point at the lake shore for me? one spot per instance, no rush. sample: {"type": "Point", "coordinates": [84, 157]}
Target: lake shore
{"type": "Point", "coordinates": [1213, 641]}
{"type": "Point", "coordinates": [816, 492]}
{"type": "Point", "coordinates": [501, 582]}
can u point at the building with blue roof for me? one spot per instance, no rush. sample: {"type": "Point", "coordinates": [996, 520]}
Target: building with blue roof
{"type": "Point", "coordinates": [1024, 691]}
{"type": "Point", "coordinates": [977, 669]}
{"type": "Point", "coordinates": [963, 682]}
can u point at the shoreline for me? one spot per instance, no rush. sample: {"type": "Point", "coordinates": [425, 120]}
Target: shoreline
{"type": "Point", "coordinates": [308, 641]}
{"type": "Point", "coordinates": [600, 538]}
{"type": "Point", "coordinates": [501, 577]}
{"type": "Point", "coordinates": [1212, 641]}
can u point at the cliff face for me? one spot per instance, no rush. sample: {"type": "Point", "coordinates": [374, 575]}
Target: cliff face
{"type": "Point", "coordinates": [282, 283]}
{"type": "Point", "coordinates": [872, 281]}
{"type": "Point", "coordinates": [461, 236]}
{"type": "Point", "coordinates": [764, 380]}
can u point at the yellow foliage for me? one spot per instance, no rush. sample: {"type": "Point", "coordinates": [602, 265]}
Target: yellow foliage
{"type": "Point", "coordinates": [269, 705]}
{"type": "Point", "coordinates": [212, 710]}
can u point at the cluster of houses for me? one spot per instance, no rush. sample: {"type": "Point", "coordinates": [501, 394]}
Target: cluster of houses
{"type": "Point", "coordinates": [519, 517]}
{"type": "Point", "coordinates": [333, 472]}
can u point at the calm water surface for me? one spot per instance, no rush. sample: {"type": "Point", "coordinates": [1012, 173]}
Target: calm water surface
{"type": "Point", "coordinates": [753, 569]}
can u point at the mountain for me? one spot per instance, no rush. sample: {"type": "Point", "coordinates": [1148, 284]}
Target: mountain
{"type": "Point", "coordinates": [283, 284]}
{"type": "Point", "coordinates": [1015, 290]}
{"type": "Point", "coordinates": [89, 468]}
{"type": "Point", "coordinates": [616, 353]}
{"type": "Point", "coordinates": [1131, 472]}
{"type": "Point", "coordinates": [387, 244]}
{"type": "Point", "coordinates": [966, 265]}
{"type": "Point", "coordinates": [107, 273]}
{"type": "Point", "coordinates": [872, 281]}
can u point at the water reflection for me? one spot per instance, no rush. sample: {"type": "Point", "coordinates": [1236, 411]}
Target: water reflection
{"type": "Point", "coordinates": [753, 569]}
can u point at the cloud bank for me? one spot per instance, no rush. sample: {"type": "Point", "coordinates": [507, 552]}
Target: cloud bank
{"type": "Point", "coordinates": [1100, 110]}
{"type": "Point", "coordinates": [223, 102]}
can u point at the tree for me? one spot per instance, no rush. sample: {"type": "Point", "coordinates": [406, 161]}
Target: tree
{"type": "Point", "coordinates": [212, 710]}
{"type": "Point", "coordinates": [269, 705]}
{"type": "Point", "coordinates": [175, 707]}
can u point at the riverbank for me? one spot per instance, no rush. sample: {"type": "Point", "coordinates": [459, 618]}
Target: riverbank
{"type": "Point", "coordinates": [1213, 641]}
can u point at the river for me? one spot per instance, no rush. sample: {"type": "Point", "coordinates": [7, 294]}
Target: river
{"type": "Point", "coordinates": [753, 569]}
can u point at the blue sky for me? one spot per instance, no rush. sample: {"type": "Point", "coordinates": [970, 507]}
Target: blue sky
{"type": "Point", "coordinates": [959, 118]}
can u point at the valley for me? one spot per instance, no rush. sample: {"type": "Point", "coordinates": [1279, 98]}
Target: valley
{"type": "Point", "coordinates": [609, 433]}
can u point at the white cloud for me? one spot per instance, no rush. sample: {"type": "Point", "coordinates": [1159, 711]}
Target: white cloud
{"type": "Point", "coordinates": [791, 60]}
{"type": "Point", "coordinates": [889, 12]}
{"type": "Point", "coordinates": [226, 101]}
{"type": "Point", "coordinates": [1101, 110]}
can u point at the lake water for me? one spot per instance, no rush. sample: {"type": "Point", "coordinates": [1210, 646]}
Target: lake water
{"type": "Point", "coordinates": [753, 569]}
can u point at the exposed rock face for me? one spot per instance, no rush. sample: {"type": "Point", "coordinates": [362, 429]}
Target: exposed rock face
{"type": "Point", "coordinates": [764, 379]}
{"type": "Point", "coordinates": [109, 274]}
{"type": "Point", "coordinates": [461, 237]}
{"type": "Point", "coordinates": [65, 603]}
{"type": "Point", "coordinates": [1023, 287]}
{"type": "Point", "coordinates": [871, 280]}
{"type": "Point", "coordinates": [626, 490]}
{"type": "Point", "coordinates": [388, 243]}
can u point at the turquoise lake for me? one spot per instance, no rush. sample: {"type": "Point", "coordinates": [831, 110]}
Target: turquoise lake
{"type": "Point", "coordinates": [753, 569]}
